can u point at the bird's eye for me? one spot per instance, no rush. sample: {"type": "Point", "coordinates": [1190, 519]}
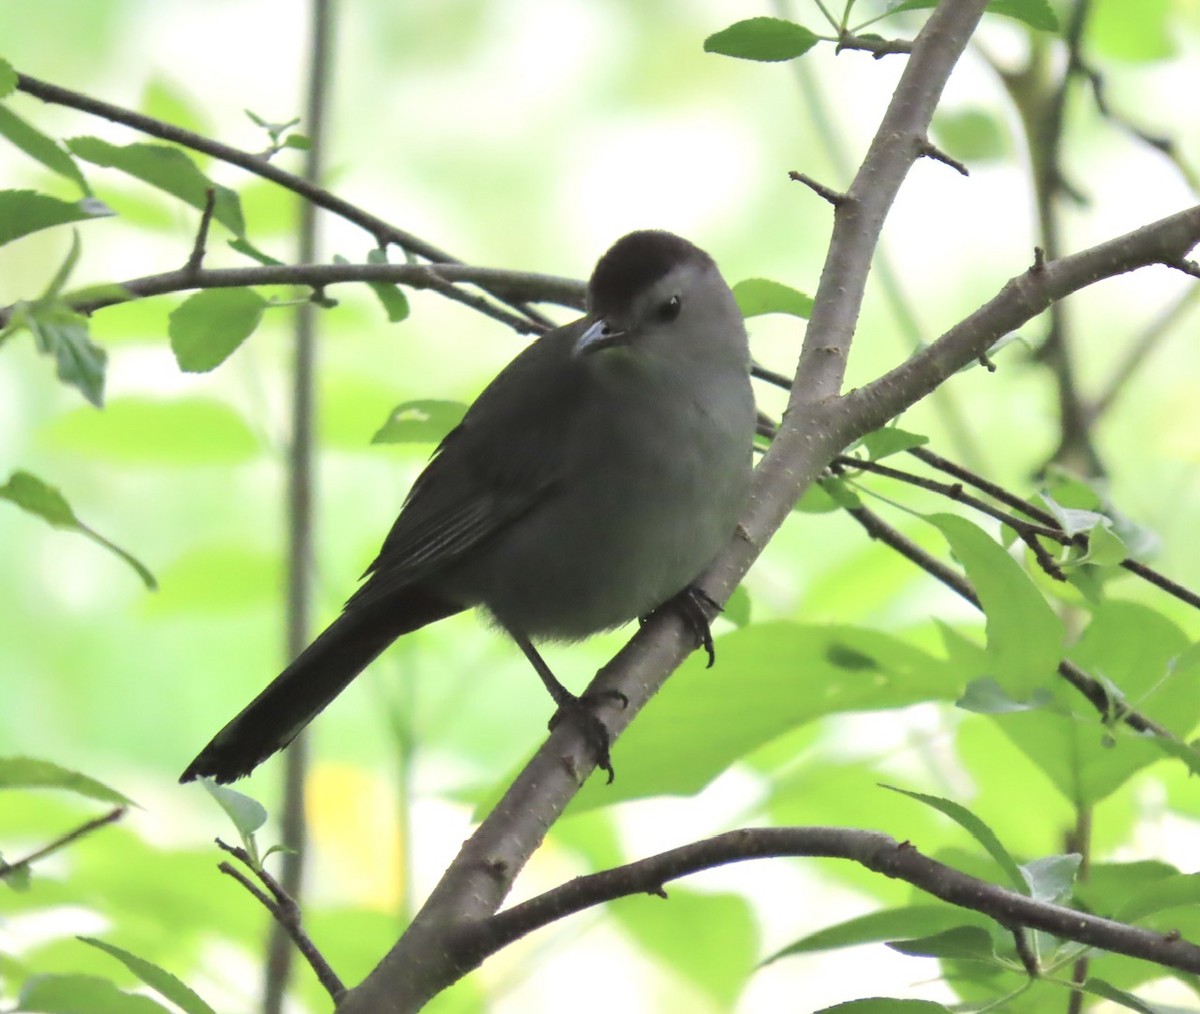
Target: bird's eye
{"type": "Point", "coordinates": [669, 310]}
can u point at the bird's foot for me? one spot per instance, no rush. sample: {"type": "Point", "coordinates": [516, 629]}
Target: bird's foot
{"type": "Point", "coordinates": [696, 607]}
{"type": "Point", "coordinates": [578, 710]}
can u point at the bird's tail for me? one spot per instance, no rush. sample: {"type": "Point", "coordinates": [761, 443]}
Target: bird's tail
{"type": "Point", "coordinates": [322, 671]}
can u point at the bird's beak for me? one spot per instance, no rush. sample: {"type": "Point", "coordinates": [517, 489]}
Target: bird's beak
{"type": "Point", "coordinates": [600, 335]}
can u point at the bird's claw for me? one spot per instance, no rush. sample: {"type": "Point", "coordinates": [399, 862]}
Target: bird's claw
{"type": "Point", "coordinates": [694, 605]}
{"type": "Point", "coordinates": [595, 733]}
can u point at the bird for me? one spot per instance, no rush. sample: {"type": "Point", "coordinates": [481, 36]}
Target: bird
{"type": "Point", "coordinates": [589, 484]}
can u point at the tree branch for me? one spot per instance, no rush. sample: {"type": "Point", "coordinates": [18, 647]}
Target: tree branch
{"type": "Point", "coordinates": [542, 288]}
{"type": "Point", "coordinates": [383, 232]}
{"type": "Point", "coordinates": [1023, 298]}
{"type": "Point", "coordinates": [876, 851]}
{"type": "Point", "coordinates": [859, 215]}
{"type": "Point", "coordinates": [285, 912]}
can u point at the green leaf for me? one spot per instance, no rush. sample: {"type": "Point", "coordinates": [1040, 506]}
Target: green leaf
{"type": "Point", "coordinates": [60, 332]}
{"type": "Point", "coordinates": [885, 1005]}
{"type": "Point", "coordinates": [392, 297]}
{"type": "Point", "coordinates": [709, 939]}
{"type": "Point", "coordinates": [156, 978]}
{"type": "Point", "coordinates": [43, 149]}
{"type": "Point", "coordinates": [737, 609]}
{"type": "Point", "coordinates": [1147, 661]}
{"type": "Point", "coordinates": [788, 675]}
{"type": "Point", "coordinates": [1163, 894]}
{"type": "Point", "coordinates": [25, 211]}
{"type": "Point", "coordinates": [963, 943]}
{"type": "Point", "coordinates": [1034, 13]}
{"type": "Point", "coordinates": [136, 430]}
{"type": "Point", "coordinates": [168, 169]}
{"type": "Point", "coordinates": [1051, 877]}
{"type": "Point", "coordinates": [244, 246]}
{"type": "Point", "coordinates": [985, 696]}
{"type": "Point", "coordinates": [31, 773]}
{"type": "Point", "coordinates": [1098, 987]}
{"type": "Point", "coordinates": [209, 326]}
{"type": "Point", "coordinates": [827, 495]}
{"type": "Point", "coordinates": [889, 924]}
{"type": "Point", "coordinates": [165, 99]}
{"type": "Point", "coordinates": [8, 78]}
{"type": "Point", "coordinates": [34, 496]}
{"type": "Point", "coordinates": [756, 296]}
{"type": "Point", "coordinates": [971, 135]}
{"type": "Point", "coordinates": [1025, 637]}
{"type": "Point", "coordinates": [15, 878]}
{"type": "Point", "coordinates": [425, 420]}
{"type": "Point", "coordinates": [247, 814]}
{"type": "Point", "coordinates": [1105, 547]}
{"type": "Point", "coordinates": [299, 141]}
{"type": "Point", "coordinates": [81, 994]}
{"type": "Point", "coordinates": [1138, 32]}
{"type": "Point", "coordinates": [977, 829]}
{"type": "Point", "coordinates": [889, 440]}
{"type": "Point", "coordinates": [764, 39]}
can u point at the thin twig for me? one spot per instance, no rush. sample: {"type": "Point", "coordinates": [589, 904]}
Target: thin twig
{"type": "Point", "coordinates": [285, 912]}
{"type": "Point", "coordinates": [930, 150]}
{"type": "Point", "coordinates": [834, 197]}
{"type": "Point", "coordinates": [196, 259]}
{"type": "Point", "coordinates": [1155, 578]}
{"type": "Point", "coordinates": [383, 232]}
{"type": "Point", "coordinates": [548, 288]}
{"type": "Point", "coordinates": [115, 814]}
{"type": "Point", "coordinates": [1028, 533]}
{"type": "Point", "coordinates": [1093, 690]}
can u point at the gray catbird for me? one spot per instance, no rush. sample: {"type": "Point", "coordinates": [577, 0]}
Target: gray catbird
{"type": "Point", "coordinates": [588, 484]}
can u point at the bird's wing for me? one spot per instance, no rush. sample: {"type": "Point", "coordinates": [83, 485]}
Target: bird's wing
{"type": "Point", "coordinates": [499, 463]}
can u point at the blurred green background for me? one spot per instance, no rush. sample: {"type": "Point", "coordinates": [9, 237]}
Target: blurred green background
{"type": "Point", "coordinates": [525, 134]}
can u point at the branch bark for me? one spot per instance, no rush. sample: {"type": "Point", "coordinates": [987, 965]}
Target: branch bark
{"type": "Point", "coordinates": [872, 849]}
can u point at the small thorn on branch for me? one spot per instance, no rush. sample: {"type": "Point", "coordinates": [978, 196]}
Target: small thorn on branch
{"type": "Point", "coordinates": [1188, 267]}
{"type": "Point", "coordinates": [927, 149]}
{"type": "Point", "coordinates": [834, 197]}
{"type": "Point", "coordinates": [320, 299]}
{"type": "Point", "coordinates": [1039, 260]}
{"type": "Point", "coordinates": [196, 259]}
{"type": "Point", "coordinates": [1024, 951]}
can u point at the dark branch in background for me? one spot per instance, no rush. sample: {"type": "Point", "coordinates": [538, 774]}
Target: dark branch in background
{"type": "Point", "coordinates": [383, 232]}
{"type": "Point", "coordinates": [1160, 581]}
{"type": "Point", "coordinates": [113, 815]}
{"type": "Point", "coordinates": [543, 288]}
{"type": "Point", "coordinates": [1092, 689]}
{"type": "Point", "coordinates": [299, 506]}
{"type": "Point", "coordinates": [1041, 104]}
{"type": "Point", "coordinates": [871, 849]}
{"type": "Point", "coordinates": [1026, 532]}
{"type": "Point", "coordinates": [286, 914]}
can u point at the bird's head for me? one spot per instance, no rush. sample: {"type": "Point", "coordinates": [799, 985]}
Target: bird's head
{"type": "Point", "coordinates": [655, 290]}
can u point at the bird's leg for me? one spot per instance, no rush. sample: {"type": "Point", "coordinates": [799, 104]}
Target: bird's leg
{"type": "Point", "coordinates": [577, 709]}
{"type": "Point", "coordinates": [696, 607]}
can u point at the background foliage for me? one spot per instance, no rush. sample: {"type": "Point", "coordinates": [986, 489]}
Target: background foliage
{"type": "Point", "coordinates": [529, 135]}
